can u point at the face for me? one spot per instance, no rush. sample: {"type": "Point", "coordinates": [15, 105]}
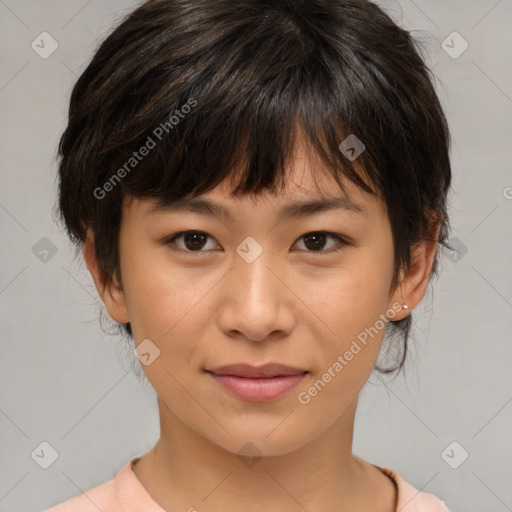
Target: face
{"type": "Point", "coordinates": [310, 291]}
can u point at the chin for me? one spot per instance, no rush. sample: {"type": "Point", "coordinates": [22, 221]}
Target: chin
{"type": "Point", "coordinates": [262, 442]}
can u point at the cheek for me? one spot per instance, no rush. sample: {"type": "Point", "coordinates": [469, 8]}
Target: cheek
{"type": "Point", "coordinates": [352, 297]}
{"type": "Point", "coordinates": [350, 305]}
{"type": "Point", "coordinates": [167, 305]}
{"type": "Point", "coordinates": [160, 296]}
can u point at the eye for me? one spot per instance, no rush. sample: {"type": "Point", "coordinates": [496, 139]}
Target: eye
{"type": "Point", "coordinates": [197, 241]}
{"type": "Point", "coordinates": [191, 241]}
{"type": "Point", "coordinates": [315, 241]}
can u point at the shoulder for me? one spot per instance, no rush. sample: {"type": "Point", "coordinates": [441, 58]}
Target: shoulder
{"type": "Point", "coordinates": [412, 500]}
{"type": "Point", "coordinates": [124, 493]}
{"type": "Point", "coordinates": [101, 497]}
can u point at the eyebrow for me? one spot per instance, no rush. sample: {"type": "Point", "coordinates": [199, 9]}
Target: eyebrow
{"type": "Point", "coordinates": [295, 209]}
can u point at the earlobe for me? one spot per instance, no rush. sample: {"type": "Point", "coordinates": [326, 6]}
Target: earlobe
{"type": "Point", "coordinates": [414, 284]}
{"type": "Point", "coordinates": [111, 293]}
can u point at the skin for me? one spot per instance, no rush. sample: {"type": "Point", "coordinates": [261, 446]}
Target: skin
{"type": "Point", "coordinates": [292, 305]}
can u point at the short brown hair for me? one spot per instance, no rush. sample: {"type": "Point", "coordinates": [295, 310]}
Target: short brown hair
{"type": "Point", "coordinates": [257, 70]}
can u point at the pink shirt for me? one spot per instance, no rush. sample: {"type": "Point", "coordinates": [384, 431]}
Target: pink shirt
{"type": "Point", "coordinates": [125, 493]}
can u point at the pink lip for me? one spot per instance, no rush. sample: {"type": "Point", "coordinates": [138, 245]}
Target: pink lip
{"type": "Point", "coordinates": [258, 384]}
{"type": "Point", "coordinates": [249, 371]}
{"type": "Point", "coordinates": [259, 389]}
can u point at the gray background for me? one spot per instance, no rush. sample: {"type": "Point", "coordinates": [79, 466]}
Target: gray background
{"type": "Point", "coordinates": [66, 382]}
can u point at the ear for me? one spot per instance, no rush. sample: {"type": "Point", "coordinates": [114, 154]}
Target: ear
{"type": "Point", "coordinates": [111, 292]}
{"type": "Point", "coordinates": [413, 284]}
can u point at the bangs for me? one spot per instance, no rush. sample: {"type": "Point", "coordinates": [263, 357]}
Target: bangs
{"type": "Point", "coordinates": [249, 139]}
{"type": "Point", "coordinates": [233, 104]}
{"type": "Point", "coordinates": [212, 96]}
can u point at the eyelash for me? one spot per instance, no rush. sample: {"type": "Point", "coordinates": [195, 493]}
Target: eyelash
{"type": "Point", "coordinates": [342, 241]}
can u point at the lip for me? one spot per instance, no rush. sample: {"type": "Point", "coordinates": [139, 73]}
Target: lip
{"type": "Point", "coordinates": [257, 384]}
{"type": "Point", "coordinates": [255, 372]}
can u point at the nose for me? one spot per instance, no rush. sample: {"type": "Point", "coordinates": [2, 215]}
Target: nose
{"type": "Point", "coordinates": [256, 302]}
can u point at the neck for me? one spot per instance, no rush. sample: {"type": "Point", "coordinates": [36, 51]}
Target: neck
{"type": "Point", "coordinates": [185, 470]}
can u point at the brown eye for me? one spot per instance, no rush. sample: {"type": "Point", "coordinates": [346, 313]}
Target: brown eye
{"type": "Point", "coordinates": [194, 241]}
{"type": "Point", "coordinates": [191, 241]}
{"type": "Point", "coordinates": [317, 240]}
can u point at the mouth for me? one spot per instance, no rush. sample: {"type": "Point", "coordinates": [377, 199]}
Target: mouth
{"type": "Point", "coordinates": [257, 384]}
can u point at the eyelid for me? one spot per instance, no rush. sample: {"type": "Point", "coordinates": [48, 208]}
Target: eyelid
{"type": "Point", "coordinates": [342, 241]}
{"type": "Point", "coordinates": [171, 240]}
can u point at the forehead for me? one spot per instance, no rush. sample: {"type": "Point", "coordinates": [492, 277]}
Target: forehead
{"type": "Point", "coordinates": [304, 183]}
{"type": "Point", "coordinates": [308, 188]}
